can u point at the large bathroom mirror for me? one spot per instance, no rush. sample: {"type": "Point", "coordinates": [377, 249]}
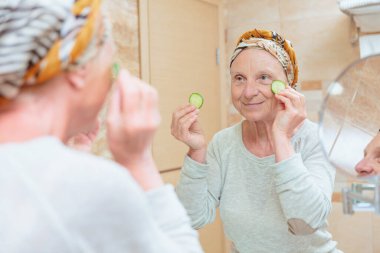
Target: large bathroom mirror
{"type": "Point", "coordinates": [349, 132]}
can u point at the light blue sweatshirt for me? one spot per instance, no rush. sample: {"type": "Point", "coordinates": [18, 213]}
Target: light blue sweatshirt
{"type": "Point", "coordinates": [265, 206]}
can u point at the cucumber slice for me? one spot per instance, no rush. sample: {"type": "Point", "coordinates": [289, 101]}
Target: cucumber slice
{"type": "Point", "coordinates": [115, 70]}
{"type": "Point", "coordinates": [278, 86]}
{"type": "Point", "coordinates": [196, 99]}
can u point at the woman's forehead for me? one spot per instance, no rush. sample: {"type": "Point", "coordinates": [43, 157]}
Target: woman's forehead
{"type": "Point", "coordinates": [255, 59]}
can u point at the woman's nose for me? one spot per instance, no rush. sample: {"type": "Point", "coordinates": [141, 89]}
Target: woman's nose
{"type": "Point", "coordinates": [251, 90]}
{"type": "Point", "coordinates": [364, 168]}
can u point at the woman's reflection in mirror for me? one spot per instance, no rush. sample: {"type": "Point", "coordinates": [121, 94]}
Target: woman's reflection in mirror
{"type": "Point", "coordinates": [370, 164]}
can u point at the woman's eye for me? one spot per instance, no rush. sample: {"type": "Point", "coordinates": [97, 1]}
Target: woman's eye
{"type": "Point", "coordinates": [239, 78]}
{"type": "Point", "coordinates": [264, 79]}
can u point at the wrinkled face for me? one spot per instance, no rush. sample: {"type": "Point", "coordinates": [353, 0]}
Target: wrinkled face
{"type": "Point", "coordinates": [252, 74]}
{"type": "Point", "coordinates": [370, 164]}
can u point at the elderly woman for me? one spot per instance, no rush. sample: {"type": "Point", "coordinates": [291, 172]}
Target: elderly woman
{"type": "Point", "coordinates": [267, 174]}
{"type": "Point", "coordinates": [54, 76]}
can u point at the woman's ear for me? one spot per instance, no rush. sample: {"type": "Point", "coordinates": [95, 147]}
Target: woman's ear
{"type": "Point", "coordinates": [77, 77]}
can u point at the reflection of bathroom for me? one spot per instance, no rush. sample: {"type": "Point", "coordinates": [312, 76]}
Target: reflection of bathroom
{"type": "Point", "coordinates": [184, 46]}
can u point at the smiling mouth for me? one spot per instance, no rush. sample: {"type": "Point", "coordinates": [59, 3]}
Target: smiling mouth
{"type": "Point", "coordinates": [250, 104]}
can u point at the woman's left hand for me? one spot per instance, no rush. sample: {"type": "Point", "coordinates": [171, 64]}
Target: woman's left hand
{"type": "Point", "coordinates": [291, 114]}
{"type": "Point", "coordinates": [83, 141]}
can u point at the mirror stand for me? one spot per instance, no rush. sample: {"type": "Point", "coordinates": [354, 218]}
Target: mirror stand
{"type": "Point", "coordinates": [362, 197]}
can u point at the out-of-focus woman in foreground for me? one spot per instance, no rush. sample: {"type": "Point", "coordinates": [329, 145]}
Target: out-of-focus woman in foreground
{"type": "Point", "coordinates": [55, 66]}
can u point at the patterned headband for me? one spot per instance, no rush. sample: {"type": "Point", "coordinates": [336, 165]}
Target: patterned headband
{"type": "Point", "coordinates": [39, 39]}
{"type": "Point", "coordinates": [274, 44]}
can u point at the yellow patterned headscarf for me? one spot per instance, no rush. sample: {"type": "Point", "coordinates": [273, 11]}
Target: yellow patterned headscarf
{"type": "Point", "coordinates": [40, 39]}
{"type": "Point", "coordinates": [275, 45]}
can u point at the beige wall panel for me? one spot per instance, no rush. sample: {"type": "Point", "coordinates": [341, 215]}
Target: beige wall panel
{"type": "Point", "coordinates": [211, 236]}
{"type": "Point", "coordinates": [171, 177]}
{"type": "Point", "coordinates": [295, 9]}
{"type": "Point", "coordinates": [376, 232]}
{"type": "Point", "coordinates": [311, 85]}
{"type": "Point", "coordinates": [352, 232]}
{"type": "Point", "coordinates": [215, 2]}
{"type": "Point", "coordinates": [246, 12]}
{"type": "Point", "coordinates": [322, 45]}
{"type": "Point", "coordinates": [183, 38]}
{"type": "Point", "coordinates": [314, 97]}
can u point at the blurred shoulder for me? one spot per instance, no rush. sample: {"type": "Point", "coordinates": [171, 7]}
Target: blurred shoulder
{"type": "Point", "coordinates": [48, 161]}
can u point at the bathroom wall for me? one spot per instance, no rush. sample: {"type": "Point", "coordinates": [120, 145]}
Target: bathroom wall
{"type": "Point", "coordinates": [124, 18]}
{"type": "Point", "coordinates": [320, 34]}
{"type": "Point", "coordinates": [125, 30]}
{"type": "Point", "coordinates": [355, 233]}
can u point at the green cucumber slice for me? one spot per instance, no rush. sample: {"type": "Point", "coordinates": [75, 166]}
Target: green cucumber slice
{"type": "Point", "coordinates": [115, 70]}
{"type": "Point", "coordinates": [196, 99]}
{"type": "Point", "coordinates": [278, 86]}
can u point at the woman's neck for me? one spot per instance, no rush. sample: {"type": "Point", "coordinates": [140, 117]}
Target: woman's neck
{"type": "Point", "coordinates": [257, 137]}
{"type": "Point", "coordinates": [28, 118]}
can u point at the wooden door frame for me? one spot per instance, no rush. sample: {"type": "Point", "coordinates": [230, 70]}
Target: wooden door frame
{"type": "Point", "coordinates": [145, 59]}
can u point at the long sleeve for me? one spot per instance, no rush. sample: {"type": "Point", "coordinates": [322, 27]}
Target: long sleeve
{"type": "Point", "coordinates": [304, 186]}
{"type": "Point", "coordinates": [151, 222]}
{"type": "Point", "coordinates": [173, 222]}
{"type": "Point", "coordinates": [84, 204]}
{"type": "Point", "coordinates": [199, 188]}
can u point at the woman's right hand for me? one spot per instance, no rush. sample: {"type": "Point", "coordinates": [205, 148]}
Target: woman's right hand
{"type": "Point", "coordinates": [133, 117]}
{"type": "Point", "coordinates": [186, 128]}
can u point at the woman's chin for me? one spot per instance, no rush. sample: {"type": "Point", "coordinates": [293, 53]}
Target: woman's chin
{"type": "Point", "coordinates": [252, 117]}
{"type": "Point", "coordinates": [256, 117]}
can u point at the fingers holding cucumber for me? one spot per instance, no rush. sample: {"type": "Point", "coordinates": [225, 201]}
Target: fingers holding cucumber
{"type": "Point", "coordinates": [185, 124]}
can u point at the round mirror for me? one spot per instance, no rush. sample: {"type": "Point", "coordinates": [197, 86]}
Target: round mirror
{"type": "Point", "coordinates": [350, 119]}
